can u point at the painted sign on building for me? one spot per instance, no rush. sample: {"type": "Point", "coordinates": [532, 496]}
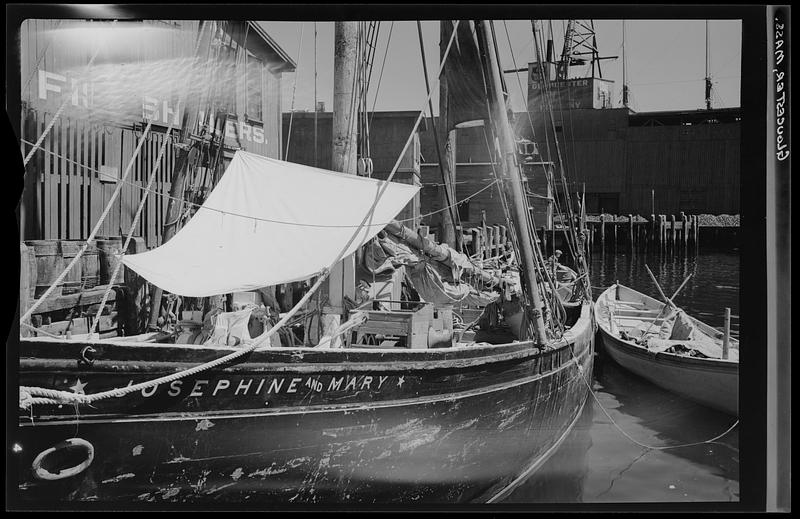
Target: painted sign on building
{"type": "Point", "coordinates": [105, 101]}
{"type": "Point", "coordinates": [568, 94]}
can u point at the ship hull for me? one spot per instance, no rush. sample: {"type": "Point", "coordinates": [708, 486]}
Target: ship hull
{"type": "Point", "coordinates": [304, 426]}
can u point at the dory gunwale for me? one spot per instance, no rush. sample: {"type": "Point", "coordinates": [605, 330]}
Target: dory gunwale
{"type": "Point", "coordinates": [651, 365]}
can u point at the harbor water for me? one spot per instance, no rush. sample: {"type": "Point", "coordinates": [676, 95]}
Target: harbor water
{"type": "Point", "coordinates": [597, 463]}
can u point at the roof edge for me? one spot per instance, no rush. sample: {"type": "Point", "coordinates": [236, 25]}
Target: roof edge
{"type": "Point", "coordinates": [288, 64]}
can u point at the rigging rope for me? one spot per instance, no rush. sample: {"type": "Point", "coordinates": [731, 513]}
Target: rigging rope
{"type": "Point", "coordinates": [94, 232]}
{"type": "Point", "coordinates": [103, 217]}
{"type": "Point", "coordinates": [454, 216]}
{"type": "Point", "coordinates": [53, 396]}
{"type": "Point", "coordinates": [571, 238]}
{"type": "Point", "coordinates": [294, 91]}
{"type": "Point", "coordinates": [380, 76]}
{"type": "Point", "coordinates": [640, 444]}
{"type": "Point", "coordinates": [316, 161]}
{"type": "Point", "coordinates": [196, 205]}
{"type": "Point", "coordinates": [134, 224]}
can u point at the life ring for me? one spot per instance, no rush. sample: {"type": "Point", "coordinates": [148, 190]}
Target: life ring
{"type": "Point", "coordinates": [76, 453]}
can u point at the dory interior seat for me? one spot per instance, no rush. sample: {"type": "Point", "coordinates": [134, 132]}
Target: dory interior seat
{"type": "Point", "coordinates": [659, 330]}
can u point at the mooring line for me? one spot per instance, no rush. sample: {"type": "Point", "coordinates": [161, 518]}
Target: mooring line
{"type": "Point", "coordinates": [645, 446]}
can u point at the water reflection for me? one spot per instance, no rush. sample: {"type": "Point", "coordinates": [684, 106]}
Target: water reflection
{"type": "Point", "coordinates": [597, 463]}
{"type": "Point", "coordinates": [714, 284]}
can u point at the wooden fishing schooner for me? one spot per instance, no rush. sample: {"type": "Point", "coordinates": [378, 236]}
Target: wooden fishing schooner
{"type": "Point", "coordinates": [424, 417]}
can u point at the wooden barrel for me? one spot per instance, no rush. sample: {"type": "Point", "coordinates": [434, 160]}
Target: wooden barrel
{"type": "Point", "coordinates": [72, 283]}
{"type": "Point", "coordinates": [49, 264]}
{"type": "Point", "coordinates": [109, 249]}
{"type": "Point", "coordinates": [90, 267]}
{"type": "Point", "coordinates": [27, 269]}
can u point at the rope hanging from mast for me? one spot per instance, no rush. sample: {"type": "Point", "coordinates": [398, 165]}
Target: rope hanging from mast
{"type": "Point", "coordinates": [35, 395]}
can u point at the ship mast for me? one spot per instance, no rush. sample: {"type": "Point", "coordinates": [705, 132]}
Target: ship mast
{"type": "Point", "coordinates": [186, 154]}
{"type": "Point", "coordinates": [519, 205]}
{"type": "Point", "coordinates": [708, 77]}
{"type": "Point", "coordinates": [341, 282]}
{"type": "Point", "coordinates": [624, 70]}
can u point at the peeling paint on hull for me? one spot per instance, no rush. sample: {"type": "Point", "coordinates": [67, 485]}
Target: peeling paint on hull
{"type": "Point", "coordinates": [450, 434]}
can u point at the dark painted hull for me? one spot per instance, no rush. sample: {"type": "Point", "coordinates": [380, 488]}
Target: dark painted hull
{"type": "Point", "coordinates": [305, 426]}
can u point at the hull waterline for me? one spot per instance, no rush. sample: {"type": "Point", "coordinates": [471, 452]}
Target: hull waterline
{"type": "Point", "coordinates": [391, 427]}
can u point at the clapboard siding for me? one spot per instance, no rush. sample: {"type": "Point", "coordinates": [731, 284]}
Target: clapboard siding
{"type": "Point", "coordinates": [68, 197]}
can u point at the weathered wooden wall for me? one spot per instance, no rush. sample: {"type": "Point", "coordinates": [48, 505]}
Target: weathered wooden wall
{"type": "Point", "coordinates": [688, 167]}
{"type": "Point", "coordinates": [67, 195]}
{"type": "Point", "coordinates": [388, 133]}
{"type": "Point", "coordinates": [691, 168]}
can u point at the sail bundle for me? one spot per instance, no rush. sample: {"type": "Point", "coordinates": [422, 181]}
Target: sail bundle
{"type": "Point", "coordinates": [269, 222]}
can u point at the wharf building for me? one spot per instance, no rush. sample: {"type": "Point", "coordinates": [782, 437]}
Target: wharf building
{"type": "Point", "coordinates": [111, 82]}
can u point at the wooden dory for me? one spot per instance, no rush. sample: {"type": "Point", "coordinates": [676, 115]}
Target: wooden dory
{"type": "Point", "coordinates": [692, 368]}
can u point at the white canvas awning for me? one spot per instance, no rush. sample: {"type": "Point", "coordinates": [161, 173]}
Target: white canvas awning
{"type": "Point", "coordinates": [268, 222]}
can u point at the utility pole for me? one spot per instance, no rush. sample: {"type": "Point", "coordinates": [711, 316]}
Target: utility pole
{"type": "Point", "coordinates": [341, 282]}
{"type": "Point", "coordinates": [519, 203]}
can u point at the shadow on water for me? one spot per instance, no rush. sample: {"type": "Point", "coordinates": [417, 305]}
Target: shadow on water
{"type": "Point", "coordinates": [597, 463]}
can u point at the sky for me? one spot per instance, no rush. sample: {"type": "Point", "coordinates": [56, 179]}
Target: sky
{"type": "Point", "coordinates": [665, 62]}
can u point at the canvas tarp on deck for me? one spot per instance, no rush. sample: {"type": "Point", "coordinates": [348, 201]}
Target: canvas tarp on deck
{"type": "Point", "coordinates": [268, 222]}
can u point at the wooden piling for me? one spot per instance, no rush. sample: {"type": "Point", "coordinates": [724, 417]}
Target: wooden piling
{"type": "Point", "coordinates": [602, 232]}
{"type": "Point", "coordinates": [684, 233]}
{"type": "Point", "coordinates": [674, 227]}
{"type": "Point", "coordinates": [630, 230]}
{"type": "Point", "coordinates": [727, 335]}
{"type": "Point", "coordinates": [503, 239]}
{"type": "Point", "coordinates": [476, 240]}
{"type": "Point", "coordinates": [489, 242]}
{"type": "Point", "coordinates": [615, 233]}
{"type": "Point", "coordinates": [639, 235]}
{"type": "Point", "coordinates": [651, 237]}
{"type": "Point", "coordinates": [696, 232]}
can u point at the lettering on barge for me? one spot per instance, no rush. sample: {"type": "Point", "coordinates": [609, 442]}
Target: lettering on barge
{"type": "Point", "coordinates": [302, 386]}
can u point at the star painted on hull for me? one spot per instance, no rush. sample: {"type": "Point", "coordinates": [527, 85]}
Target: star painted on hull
{"type": "Point", "coordinates": [401, 381]}
{"type": "Point", "coordinates": [78, 387]}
